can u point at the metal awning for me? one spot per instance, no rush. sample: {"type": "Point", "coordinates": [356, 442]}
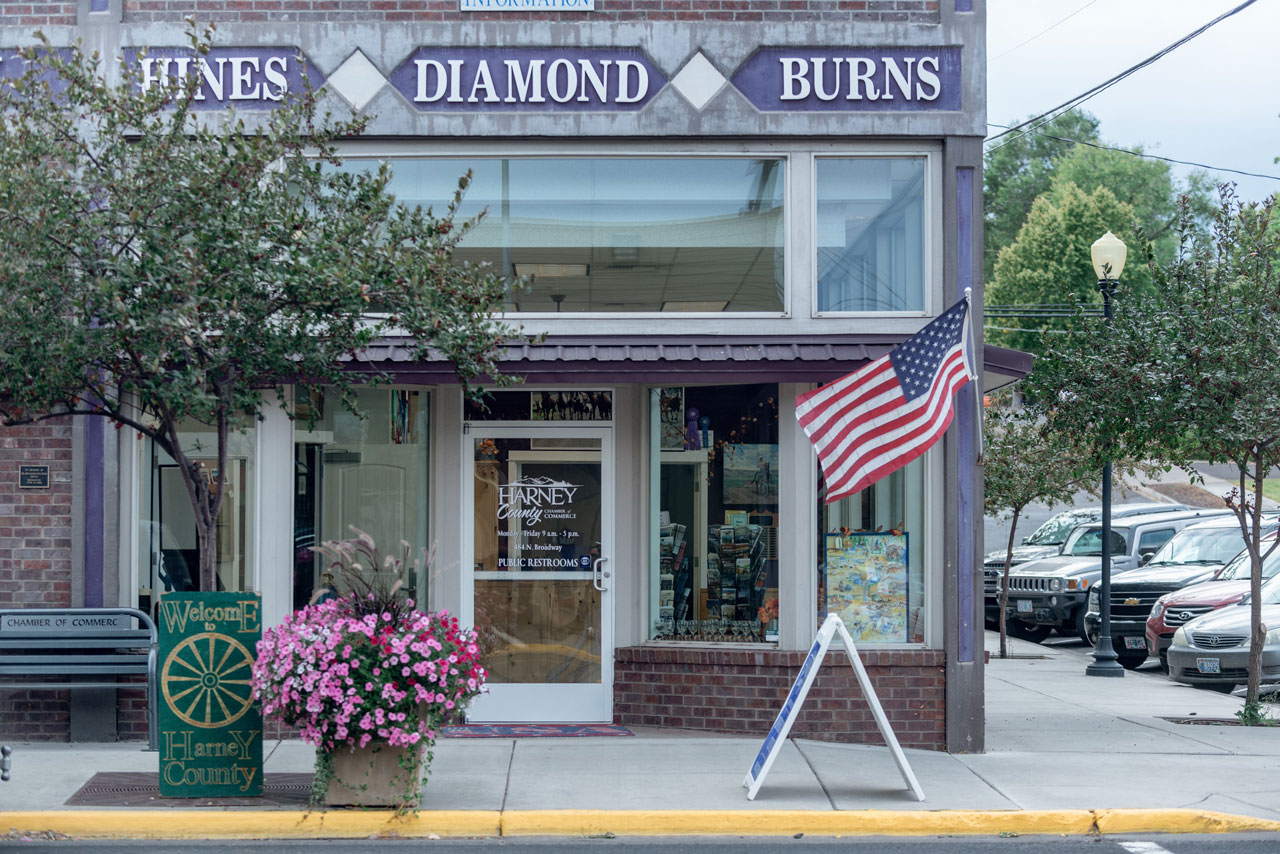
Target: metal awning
{"type": "Point", "coordinates": [680, 359]}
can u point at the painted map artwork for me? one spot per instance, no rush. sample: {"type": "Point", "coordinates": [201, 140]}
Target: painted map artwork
{"type": "Point", "coordinates": [867, 585]}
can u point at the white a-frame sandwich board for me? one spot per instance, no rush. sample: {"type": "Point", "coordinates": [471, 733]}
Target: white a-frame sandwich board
{"type": "Point", "coordinates": [795, 699]}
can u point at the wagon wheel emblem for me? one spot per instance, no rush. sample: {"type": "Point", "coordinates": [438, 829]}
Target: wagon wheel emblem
{"type": "Point", "coordinates": [206, 680]}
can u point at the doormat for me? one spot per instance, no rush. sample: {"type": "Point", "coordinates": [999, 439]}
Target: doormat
{"type": "Point", "coordinates": [534, 730]}
{"type": "Point", "coordinates": [142, 789]}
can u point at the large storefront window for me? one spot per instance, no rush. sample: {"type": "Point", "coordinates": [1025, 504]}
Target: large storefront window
{"type": "Point", "coordinates": [167, 535]}
{"type": "Point", "coordinates": [871, 234]}
{"type": "Point", "coordinates": [715, 513]}
{"type": "Point", "coordinates": [368, 473]}
{"type": "Point", "coordinates": [618, 234]}
{"type": "Point", "coordinates": [870, 559]}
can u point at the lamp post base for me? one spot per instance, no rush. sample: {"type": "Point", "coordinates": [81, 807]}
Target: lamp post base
{"type": "Point", "coordinates": [1104, 660]}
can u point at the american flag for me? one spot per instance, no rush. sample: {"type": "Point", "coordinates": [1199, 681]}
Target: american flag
{"type": "Point", "coordinates": [874, 421]}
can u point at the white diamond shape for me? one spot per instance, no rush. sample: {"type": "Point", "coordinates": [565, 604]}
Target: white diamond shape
{"type": "Point", "coordinates": [698, 81]}
{"type": "Point", "coordinates": [357, 80]}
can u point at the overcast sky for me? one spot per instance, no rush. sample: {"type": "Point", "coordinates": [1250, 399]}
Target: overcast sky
{"type": "Point", "coordinates": [1215, 100]}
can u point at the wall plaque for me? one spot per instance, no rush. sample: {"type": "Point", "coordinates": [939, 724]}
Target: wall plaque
{"type": "Point", "coordinates": [210, 727]}
{"type": "Point", "coordinates": [33, 477]}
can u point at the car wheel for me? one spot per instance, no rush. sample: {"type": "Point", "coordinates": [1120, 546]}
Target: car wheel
{"type": "Point", "coordinates": [1029, 631]}
{"type": "Point", "coordinates": [1164, 661]}
{"type": "Point", "coordinates": [1131, 661]}
{"type": "Point", "coordinates": [1081, 631]}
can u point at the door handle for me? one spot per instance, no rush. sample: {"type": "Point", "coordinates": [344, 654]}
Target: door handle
{"type": "Point", "coordinates": [598, 575]}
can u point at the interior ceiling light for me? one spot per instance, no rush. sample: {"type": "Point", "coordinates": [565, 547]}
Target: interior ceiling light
{"type": "Point", "coordinates": [708, 305]}
{"type": "Point", "coordinates": [552, 271]}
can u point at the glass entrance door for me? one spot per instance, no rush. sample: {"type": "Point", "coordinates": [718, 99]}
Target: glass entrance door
{"type": "Point", "coordinates": [540, 585]}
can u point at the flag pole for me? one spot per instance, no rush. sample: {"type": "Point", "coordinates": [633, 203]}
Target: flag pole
{"type": "Point", "coordinates": [973, 374]}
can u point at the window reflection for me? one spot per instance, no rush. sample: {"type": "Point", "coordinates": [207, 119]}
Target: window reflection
{"type": "Point", "coordinates": [618, 234]}
{"type": "Point", "coordinates": [871, 246]}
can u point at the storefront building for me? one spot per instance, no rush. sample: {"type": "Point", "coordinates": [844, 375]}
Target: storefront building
{"type": "Point", "coordinates": [720, 204]}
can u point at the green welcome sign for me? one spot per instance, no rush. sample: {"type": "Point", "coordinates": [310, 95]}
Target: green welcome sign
{"type": "Point", "coordinates": [210, 727]}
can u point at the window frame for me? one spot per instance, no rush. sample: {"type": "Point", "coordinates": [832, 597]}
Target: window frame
{"type": "Point", "coordinates": [597, 152]}
{"type": "Point", "coordinates": [933, 231]}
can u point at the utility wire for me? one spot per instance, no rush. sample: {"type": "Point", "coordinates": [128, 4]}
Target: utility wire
{"type": "Point", "coordinates": [1072, 103]}
{"type": "Point", "coordinates": [1015, 329]}
{"type": "Point", "coordinates": [1042, 32]}
{"type": "Point", "coordinates": [1143, 154]}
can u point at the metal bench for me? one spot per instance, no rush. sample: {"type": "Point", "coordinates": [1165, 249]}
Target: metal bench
{"type": "Point", "coordinates": [66, 648]}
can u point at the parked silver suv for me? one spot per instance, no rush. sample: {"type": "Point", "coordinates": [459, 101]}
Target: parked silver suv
{"type": "Point", "coordinates": [1047, 540]}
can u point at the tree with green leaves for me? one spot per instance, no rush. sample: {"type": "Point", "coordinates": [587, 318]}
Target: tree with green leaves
{"type": "Point", "coordinates": [161, 265]}
{"type": "Point", "coordinates": [1024, 462]}
{"type": "Point", "coordinates": [1049, 262]}
{"type": "Point", "coordinates": [1187, 372]}
{"type": "Point", "coordinates": [1147, 186]}
{"type": "Point", "coordinates": [1025, 165]}
{"type": "Point", "coordinates": [1018, 169]}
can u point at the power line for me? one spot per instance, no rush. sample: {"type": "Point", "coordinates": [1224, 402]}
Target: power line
{"type": "Point", "coordinates": [1015, 329]}
{"type": "Point", "coordinates": [1143, 154]}
{"type": "Point", "coordinates": [1042, 32]}
{"type": "Point", "coordinates": [1072, 103]}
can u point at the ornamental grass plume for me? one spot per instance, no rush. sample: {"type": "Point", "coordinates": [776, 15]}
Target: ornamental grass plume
{"type": "Point", "coordinates": [367, 667]}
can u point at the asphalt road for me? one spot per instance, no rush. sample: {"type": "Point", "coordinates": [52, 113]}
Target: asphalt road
{"type": "Point", "coordinates": [1148, 844]}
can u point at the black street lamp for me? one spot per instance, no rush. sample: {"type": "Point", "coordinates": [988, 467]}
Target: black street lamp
{"type": "Point", "coordinates": [1108, 253]}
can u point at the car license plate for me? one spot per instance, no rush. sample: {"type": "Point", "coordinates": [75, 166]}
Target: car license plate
{"type": "Point", "coordinates": [1209, 665]}
{"type": "Point", "coordinates": [1024, 606]}
{"type": "Point", "coordinates": [1135, 643]}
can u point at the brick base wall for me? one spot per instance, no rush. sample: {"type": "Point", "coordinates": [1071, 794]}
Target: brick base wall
{"type": "Point", "coordinates": [741, 691]}
{"type": "Point", "coordinates": [35, 554]}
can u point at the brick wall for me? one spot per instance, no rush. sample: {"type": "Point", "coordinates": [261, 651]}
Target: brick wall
{"type": "Point", "coordinates": [741, 691]}
{"type": "Point", "coordinates": [373, 11]}
{"type": "Point", "coordinates": [35, 553]}
{"type": "Point", "coordinates": [35, 524]}
{"type": "Point", "coordinates": [37, 13]}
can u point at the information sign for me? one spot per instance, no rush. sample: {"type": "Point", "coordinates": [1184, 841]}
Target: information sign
{"type": "Point", "coordinates": [33, 477]}
{"type": "Point", "coordinates": [833, 627]}
{"type": "Point", "coordinates": [210, 727]}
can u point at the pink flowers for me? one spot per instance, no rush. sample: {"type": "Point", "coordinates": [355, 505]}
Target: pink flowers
{"type": "Point", "coordinates": [343, 679]}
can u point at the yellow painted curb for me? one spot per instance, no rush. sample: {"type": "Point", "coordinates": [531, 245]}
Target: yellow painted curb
{"type": "Point", "coordinates": [790, 822]}
{"type": "Point", "coordinates": [253, 824]}
{"type": "Point", "coordinates": [353, 824]}
{"type": "Point", "coordinates": [1179, 821]}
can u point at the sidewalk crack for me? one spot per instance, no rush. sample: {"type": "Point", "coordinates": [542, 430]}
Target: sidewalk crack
{"type": "Point", "coordinates": [1146, 723]}
{"type": "Point", "coordinates": [511, 761]}
{"type": "Point", "coordinates": [999, 791]}
{"type": "Point", "coordinates": [816, 776]}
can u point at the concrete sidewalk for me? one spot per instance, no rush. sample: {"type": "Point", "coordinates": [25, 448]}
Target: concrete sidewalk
{"type": "Point", "coordinates": [1066, 753]}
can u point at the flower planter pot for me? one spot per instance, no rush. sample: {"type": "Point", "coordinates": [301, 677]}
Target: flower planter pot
{"type": "Point", "coordinates": [375, 776]}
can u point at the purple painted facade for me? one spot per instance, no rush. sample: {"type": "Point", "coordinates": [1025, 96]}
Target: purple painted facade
{"type": "Point", "coordinates": [248, 78]}
{"type": "Point", "coordinates": [797, 79]}
{"type": "Point", "coordinates": [94, 517]}
{"type": "Point", "coordinates": [12, 65]}
{"type": "Point", "coordinates": [966, 423]}
{"type": "Point", "coordinates": [505, 80]}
